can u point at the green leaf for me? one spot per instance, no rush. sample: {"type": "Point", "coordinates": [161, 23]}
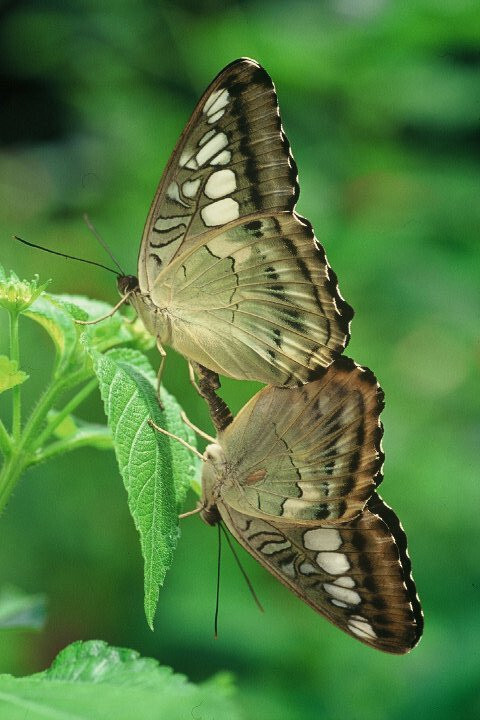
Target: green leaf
{"type": "Point", "coordinates": [9, 374]}
{"type": "Point", "coordinates": [57, 319]}
{"type": "Point", "coordinates": [92, 681]}
{"type": "Point", "coordinates": [76, 429]}
{"type": "Point", "coordinates": [66, 428]}
{"type": "Point", "coordinates": [145, 461]}
{"type": "Point", "coordinates": [19, 611]}
{"type": "Point", "coordinates": [112, 331]}
{"type": "Point", "coordinates": [185, 465]}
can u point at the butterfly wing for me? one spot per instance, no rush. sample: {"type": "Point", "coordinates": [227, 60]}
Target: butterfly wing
{"type": "Point", "coordinates": [232, 160]}
{"type": "Point", "coordinates": [310, 453]}
{"type": "Point", "coordinates": [257, 301]}
{"type": "Point", "coordinates": [357, 575]}
{"type": "Point", "coordinates": [245, 286]}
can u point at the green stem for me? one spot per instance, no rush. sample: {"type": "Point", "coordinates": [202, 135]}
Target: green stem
{"type": "Point", "coordinates": [21, 457]}
{"type": "Point", "coordinates": [62, 414]}
{"type": "Point", "coordinates": [66, 445]}
{"type": "Point", "coordinates": [16, 391]}
{"type": "Point", "coordinates": [9, 476]}
{"type": "Point", "coordinates": [33, 427]}
{"type": "Point", "coordinates": [5, 444]}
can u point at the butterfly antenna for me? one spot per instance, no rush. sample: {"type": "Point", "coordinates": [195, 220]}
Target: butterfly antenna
{"type": "Point", "coordinates": [102, 242]}
{"type": "Point", "coordinates": [69, 257]}
{"type": "Point", "coordinates": [217, 600]}
{"type": "Point", "coordinates": [242, 569]}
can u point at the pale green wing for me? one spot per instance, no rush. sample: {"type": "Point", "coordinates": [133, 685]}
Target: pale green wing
{"type": "Point", "coordinates": [232, 160]}
{"type": "Point", "coordinates": [256, 301]}
{"type": "Point", "coordinates": [357, 575]}
{"type": "Point", "coordinates": [310, 453]}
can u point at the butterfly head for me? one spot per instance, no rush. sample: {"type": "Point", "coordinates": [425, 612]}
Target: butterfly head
{"type": "Point", "coordinates": [215, 458]}
{"type": "Point", "coordinates": [214, 470]}
{"type": "Point", "coordinates": [126, 284]}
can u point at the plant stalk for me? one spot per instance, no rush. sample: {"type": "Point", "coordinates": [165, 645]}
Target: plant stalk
{"type": "Point", "coordinates": [16, 391]}
{"type": "Point", "coordinates": [9, 475]}
{"type": "Point", "coordinates": [65, 412]}
{"type": "Point", "coordinates": [5, 443]}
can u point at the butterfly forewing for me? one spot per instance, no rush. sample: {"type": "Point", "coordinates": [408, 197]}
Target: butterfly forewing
{"type": "Point", "coordinates": [232, 160]}
{"type": "Point", "coordinates": [229, 274]}
{"type": "Point", "coordinates": [310, 453]}
{"type": "Point", "coordinates": [356, 574]}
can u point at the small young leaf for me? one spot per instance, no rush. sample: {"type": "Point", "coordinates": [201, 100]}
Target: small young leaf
{"type": "Point", "coordinates": [9, 374]}
{"type": "Point", "coordinates": [56, 318]}
{"type": "Point", "coordinates": [76, 430]}
{"type": "Point", "coordinates": [145, 461]}
{"type": "Point", "coordinates": [17, 295]}
{"type": "Point", "coordinates": [19, 611]}
{"type": "Point", "coordinates": [112, 331]}
{"type": "Point", "coordinates": [66, 428]}
{"type": "Point", "coordinates": [92, 681]}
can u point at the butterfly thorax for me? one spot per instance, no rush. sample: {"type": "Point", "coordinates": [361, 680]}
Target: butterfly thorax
{"type": "Point", "coordinates": [156, 319]}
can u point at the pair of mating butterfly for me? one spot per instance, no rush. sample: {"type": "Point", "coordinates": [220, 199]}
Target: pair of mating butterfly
{"type": "Point", "coordinates": [232, 278]}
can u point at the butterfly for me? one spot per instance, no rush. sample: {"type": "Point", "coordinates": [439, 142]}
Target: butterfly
{"type": "Point", "coordinates": [229, 275]}
{"type": "Point", "coordinates": [294, 479]}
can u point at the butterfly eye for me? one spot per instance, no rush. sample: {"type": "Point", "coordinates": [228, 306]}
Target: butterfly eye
{"type": "Point", "coordinates": [127, 283]}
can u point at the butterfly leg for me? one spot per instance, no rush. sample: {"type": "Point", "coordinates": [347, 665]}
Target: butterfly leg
{"type": "Point", "coordinates": [123, 300]}
{"type": "Point", "coordinates": [177, 438]}
{"type": "Point", "coordinates": [208, 383]}
{"type": "Point", "coordinates": [197, 510]}
{"type": "Point", "coordinates": [196, 429]}
{"type": "Point", "coordinates": [163, 356]}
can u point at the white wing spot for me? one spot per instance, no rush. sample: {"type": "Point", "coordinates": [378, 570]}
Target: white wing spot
{"type": "Point", "coordinates": [206, 137]}
{"type": "Point", "coordinates": [190, 187]}
{"type": "Point", "coordinates": [185, 157]}
{"type": "Point", "coordinates": [348, 596]}
{"type": "Point", "coordinates": [211, 148]}
{"type": "Point", "coordinates": [174, 194]}
{"type": "Point", "coordinates": [338, 603]}
{"type": "Point", "coordinates": [217, 116]}
{"type": "Point", "coordinates": [220, 212]}
{"type": "Point", "coordinates": [289, 569]}
{"type": "Point", "coordinates": [220, 183]}
{"type": "Point", "coordinates": [217, 101]}
{"type": "Point", "coordinates": [273, 547]}
{"type": "Point", "coordinates": [322, 539]}
{"type": "Point", "coordinates": [346, 582]}
{"type": "Point", "coordinates": [307, 568]}
{"type": "Point", "coordinates": [222, 159]}
{"type": "Point", "coordinates": [209, 102]}
{"type": "Point", "coordinates": [333, 563]}
{"type": "Point", "coordinates": [361, 627]}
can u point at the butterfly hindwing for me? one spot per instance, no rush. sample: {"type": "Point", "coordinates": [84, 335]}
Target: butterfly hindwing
{"type": "Point", "coordinates": [310, 453]}
{"type": "Point", "coordinates": [257, 301]}
{"type": "Point", "coordinates": [355, 574]}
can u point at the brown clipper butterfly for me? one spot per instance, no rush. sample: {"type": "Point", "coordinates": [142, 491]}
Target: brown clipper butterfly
{"type": "Point", "coordinates": [228, 273]}
{"type": "Point", "coordinates": [294, 479]}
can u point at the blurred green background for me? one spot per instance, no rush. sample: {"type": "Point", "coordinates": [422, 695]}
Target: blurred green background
{"type": "Point", "coordinates": [380, 103]}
